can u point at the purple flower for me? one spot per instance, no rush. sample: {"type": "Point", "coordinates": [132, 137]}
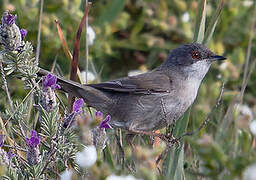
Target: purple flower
{"type": "Point", "coordinates": [10, 155]}
{"type": "Point", "coordinates": [99, 115]}
{"type": "Point", "coordinates": [34, 139]}
{"type": "Point", "coordinates": [78, 104]}
{"type": "Point", "coordinates": [50, 81]}
{"type": "Point", "coordinates": [105, 123]}
{"type": "Point", "coordinates": [70, 119]}
{"type": "Point", "coordinates": [23, 33]}
{"type": "Point", "coordinates": [8, 19]}
{"type": "Point", "coordinates": [2, 139]}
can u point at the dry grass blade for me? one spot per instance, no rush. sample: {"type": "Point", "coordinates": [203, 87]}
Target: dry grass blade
{"type": "Point", "coordinates": [200, 22]}
{"type": "Point", "coordinates": [74, 64]}
{"type": "Point", "coordinates": [65, 48]}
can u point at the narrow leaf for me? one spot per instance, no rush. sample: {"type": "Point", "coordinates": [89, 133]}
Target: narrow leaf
{"type": "Point", "coordinates": [175, 157]}
{"type": "Point", "coordinates": [213, 22]}
{"type": "Point", "coordinates": [200, 22]}
{"type": "Point", "coordinates": [66, 49]}
{"type": "Point", "coordinates": [74, 64]}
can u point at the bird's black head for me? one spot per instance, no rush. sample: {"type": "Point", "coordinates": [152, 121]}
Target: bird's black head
{"type": "Point", "coordinates": [191, 61]}
{"type": "Point", "coordinates": [189, 54]}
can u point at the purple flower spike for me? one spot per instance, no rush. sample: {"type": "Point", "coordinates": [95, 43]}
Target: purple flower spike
{"type": "Point", "coordinates": [23, 33]}
{"type": "Point", "coordinates": [104, 123]}
{"type": "Point", "coordinates": [2, 139]}
{"type": "Point", "coordinates": [78, 104]}
{"type": "Point", "coordinates": [8, 19]}
{"type": "Point", "coordinates": [34, 139]}
{"type": "Point", "coordinates": [50, 81]}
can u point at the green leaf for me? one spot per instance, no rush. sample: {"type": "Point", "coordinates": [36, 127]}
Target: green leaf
{"type": "Point", "coordinates": [213, 22]}
{"type": "Point", "coordinates": [110, 12]}
{"type": "Point", "coordinates": [108, 157]}
{"type": "Point", "coordinates": [175, 157]}
{"type": "Point", "coordinates": [200, 22]}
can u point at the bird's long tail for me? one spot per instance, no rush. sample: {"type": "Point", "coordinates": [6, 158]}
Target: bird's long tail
{"type": "Point", "coordinates": [93, 97]}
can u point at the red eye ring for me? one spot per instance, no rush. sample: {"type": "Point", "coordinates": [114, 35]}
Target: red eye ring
{"type": "Point", "coordinates": [196, 55]}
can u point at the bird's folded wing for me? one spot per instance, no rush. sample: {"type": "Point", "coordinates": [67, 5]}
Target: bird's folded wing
{"type": "Point", "coordinates": [148, 83]}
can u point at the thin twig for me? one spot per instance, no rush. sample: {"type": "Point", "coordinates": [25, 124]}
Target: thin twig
{"type": "Point", "coordinates": [208, 116]}
{"type": "Point", "coordinates": [86, 45]}
{"type": "Point", "coordinates": [39, 31]}
{"type": "Point", "coordinates": [5, 86]}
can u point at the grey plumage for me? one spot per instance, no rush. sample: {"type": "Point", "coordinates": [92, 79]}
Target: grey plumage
{"type": "Point", "coordinates": [151, 100]}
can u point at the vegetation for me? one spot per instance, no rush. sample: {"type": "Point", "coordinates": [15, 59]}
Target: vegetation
{"type": "Point", "coordinates": [131, 36]}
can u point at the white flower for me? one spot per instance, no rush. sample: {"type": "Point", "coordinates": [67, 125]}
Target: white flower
{"type": "Point", "coordinates": [253, 127]}
{"type": "Point", "coordinates": [185, 17]}
{"type": "Point", "coordinates": [245, 110]}
{"type": "Point", "coordinates": [90, 35]}
{"type": "Point", "coordinates": [223, 66]}
{"type": "Point", "coordinates": [247, 3]}
{"type": "Point", "coordinates": [90, 76]}
{"type": "Point", "coordinates": [250, 173]}
{"type": "Point", "coordinates": [66, 175]}
{"type": "Point", "coordinates": [115, 177]}
{"type": "Point", "coordinates": [87, 157]}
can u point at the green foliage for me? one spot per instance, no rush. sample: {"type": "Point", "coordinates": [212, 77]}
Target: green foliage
{"type": "Point", "coordinates": [138, 35]}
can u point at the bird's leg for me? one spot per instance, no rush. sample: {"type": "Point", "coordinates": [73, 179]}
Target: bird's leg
{"type": "Point", "coordinates": [173, 127]}
{"type": "Point", "coordinates": [128, 138]}
{"type": "Point", "coordinates": [118, 140]}
{"type": "Point", "coordinates": [167, 138]}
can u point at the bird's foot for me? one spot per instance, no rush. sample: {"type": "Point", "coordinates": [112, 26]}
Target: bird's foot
{"type": "Point", "coordinates": [169, 139]}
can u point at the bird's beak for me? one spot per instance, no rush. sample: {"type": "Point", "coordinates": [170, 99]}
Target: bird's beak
{"type": "Point", "coordinates": [217, 58]}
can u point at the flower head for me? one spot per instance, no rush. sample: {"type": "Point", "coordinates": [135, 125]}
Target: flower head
{"type": "Point", "coordinates": [23, 33]}
{"type": "Point", "coordinates": [8, 19]}
{"type": "Point", "coordinates": [98, 116]}
{"type": "Point", "coordinates": [2, 139]}
{"type": "Point", "coordinates": [50, 81]}
{"type": "Point", "coordinates": [10, 35]}
{"type": "Point", "coordinates": [105, 123]}
{"type": "Point", "coordinates": [66, 175]}
{"type": "Point", "coordinates": [87, 157]}
{"type": "Point", "coordinates": [78, 104]}
{"type": "Point", "coordinates": [34, 139]}
{"type": "Point", "coordinates": [90, 35]}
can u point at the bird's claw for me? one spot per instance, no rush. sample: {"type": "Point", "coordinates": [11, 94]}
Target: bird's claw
{"type": "Point", "coordinates": [170, 140]}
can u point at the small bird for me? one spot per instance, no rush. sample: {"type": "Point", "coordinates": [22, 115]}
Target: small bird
{"type": "Point", "coordinates": [152, 100]}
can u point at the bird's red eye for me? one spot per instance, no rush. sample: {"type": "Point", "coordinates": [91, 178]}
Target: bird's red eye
{"type": "Point", "coordinates": [196, 55]}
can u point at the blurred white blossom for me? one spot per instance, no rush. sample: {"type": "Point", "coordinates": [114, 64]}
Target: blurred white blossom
{"type": "Point", "coordinates": [115, 177]}
{"type": "Point", "coordinates": [247, 3]}
{"type": "Point", "coordinates": [245, 110]}
{"type": "Point", "coordinates": [90, 76]}
{"type": "Point", "coordinates": [90, 35]}
{"type": "Point", "coordinates": [250, 173]}
{"type": "Point", "coordinates": [66, 175]}
{"type": "Point", "coordinates": [223, 66]}
{"type": "Point", "coordinates": [253, 127]}
{"type": "Point", "coordinates": [185, 17]}
{"type": "Point", "coordinates": [87, 157]}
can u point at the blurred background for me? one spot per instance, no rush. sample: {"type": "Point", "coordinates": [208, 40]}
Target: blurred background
{"type": "Point", "coordinates": [134, 36]}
